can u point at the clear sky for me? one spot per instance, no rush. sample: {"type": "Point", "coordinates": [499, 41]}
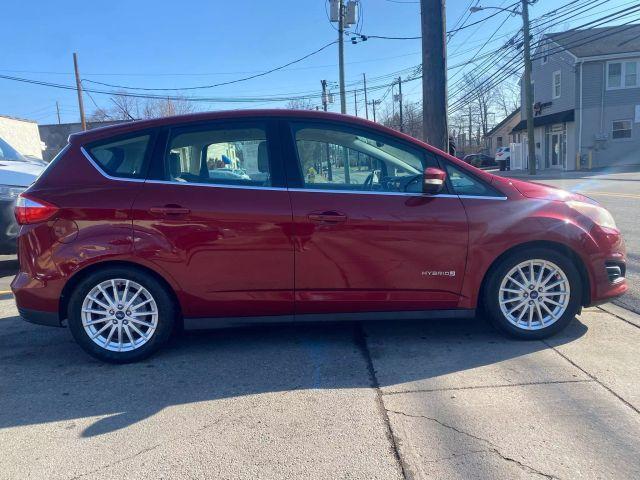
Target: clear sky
{"type": "Point", "coordinates": [150, 43]}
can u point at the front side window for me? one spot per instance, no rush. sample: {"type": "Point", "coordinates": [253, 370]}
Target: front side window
{"type": "Point", "coordinates": [464, 183]}
{"type": "Point", "coordinates": [122, 158]}
{"type": "Point", "coordinates": [332, 158]}
{"type": "Point", "coordinates": [621, 129]}
{"type": "Point", "coordinates": [614, 75]}
{"type": "Point", "coordinates": [223, 155]}
{"type": "Point", "coordinates": [557, 79]}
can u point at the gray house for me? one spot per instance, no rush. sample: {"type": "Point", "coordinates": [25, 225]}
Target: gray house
{"type": "Point", "coordinates": [586, 105]}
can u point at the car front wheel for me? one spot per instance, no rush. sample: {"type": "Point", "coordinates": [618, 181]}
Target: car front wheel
{"type": "Point", "coordinates": [533, 294]}
{"type": "Point", "coordinates": [120, 315]}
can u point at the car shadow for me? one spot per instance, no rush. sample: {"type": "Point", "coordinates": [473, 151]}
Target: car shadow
{"type": "Point", "coordinates": [45, 377]}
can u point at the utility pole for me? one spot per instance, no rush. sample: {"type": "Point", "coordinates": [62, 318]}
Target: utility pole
{"type": "Point", "coordinates": [366, 103]}
{"type": "Point", "coordinates": [400, 99]}
{"type": "Point", "coordinates": [324, 94]}
{"type": "Point", "coordinates": [58, 111]}
{"type": "Point", "coordinates": [326, 145]}
{"type": "Point", "coordinates": [393, 102]}
{"type": "Point", "coordinates": [528, 94]}
{"type": "Point", "coordinates": [79, 90]}
{"type": "Point", "coordinates": [355, 101]}
{"type": "Point", "coordinates": [434, 74]}
{"type": "Point", "coordinates": [343, 100]}
{"type": "Point", "coordinates": [373, 105]}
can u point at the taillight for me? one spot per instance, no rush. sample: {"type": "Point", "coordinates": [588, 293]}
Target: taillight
{"type": "Point", "coordinates": [29, 210]}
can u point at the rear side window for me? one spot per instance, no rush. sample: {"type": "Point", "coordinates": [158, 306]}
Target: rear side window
{"type": "Point", "coordinates": [220, 155]}
{"type": "Point", "coordinates": [122, 158]}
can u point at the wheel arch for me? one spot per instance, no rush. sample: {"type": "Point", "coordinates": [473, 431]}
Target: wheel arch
{"type": "Point", "coordinates": [556, 246]}
{"type": "Point", "coordinates": [79, 275]}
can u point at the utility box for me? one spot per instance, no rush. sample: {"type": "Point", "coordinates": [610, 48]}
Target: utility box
{"type": "Point", "coordinates": [351, 14]}
{"type": "Point", "coordinates": [334, 10]}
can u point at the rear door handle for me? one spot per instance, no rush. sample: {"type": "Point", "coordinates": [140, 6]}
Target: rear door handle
{"type": "Point", "coordinates": [327, 217]}
{"type": "Point", "coordinates": [170, 210]}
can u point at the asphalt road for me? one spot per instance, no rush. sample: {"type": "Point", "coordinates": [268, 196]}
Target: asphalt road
{"type": "Point", "coordinates": [391, 400]}
{"type": "Point", "coordinates": [620, 194]}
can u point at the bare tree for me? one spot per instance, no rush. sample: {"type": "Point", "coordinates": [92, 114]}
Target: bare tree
{"type": "Point", "coordinates": [124, 107]}
{"type": "Point", "coordinates": [168, 107]}
{"type": "Point", "coordinates": [507, 98]}
{"type": "Point", "coordinates": [300, 104]}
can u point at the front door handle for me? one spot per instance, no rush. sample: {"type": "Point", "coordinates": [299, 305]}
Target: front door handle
{"type": "Point", "coordinates": [327, 217]}
{"type": "Point", "coordinates": [170, 210]}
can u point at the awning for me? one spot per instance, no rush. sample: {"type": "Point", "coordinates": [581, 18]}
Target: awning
{"type": "Point", "coordinates": [559, 117]}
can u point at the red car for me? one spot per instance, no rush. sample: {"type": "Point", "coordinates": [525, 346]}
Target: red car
{"type": "Point", "coordinates": [134, 230]}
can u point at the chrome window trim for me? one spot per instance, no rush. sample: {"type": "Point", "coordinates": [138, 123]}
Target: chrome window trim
{"type": "Point", "coordinates": [215, 185]}
{"type": "Point", "coordinates": [105, 174]}
{"type": "Point", "coordinates": [402, 194]}
{"type": "Point", "coordinates": [251, 187]}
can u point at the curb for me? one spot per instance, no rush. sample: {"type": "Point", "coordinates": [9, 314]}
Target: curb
{"type": "Point", "coordinates": [621, 312]}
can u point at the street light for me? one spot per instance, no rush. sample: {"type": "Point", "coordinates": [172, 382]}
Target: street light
{"type": "Point", "coordinates": [528, 94]}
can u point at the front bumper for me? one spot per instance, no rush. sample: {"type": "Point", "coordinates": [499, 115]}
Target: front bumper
{"type": "Point", "coordinates": [38, 317]}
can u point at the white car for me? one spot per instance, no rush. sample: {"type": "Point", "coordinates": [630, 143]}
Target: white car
{"type": "Point", "coordinates": [16, 174]}
{"type": "Point", "coordinates": [503, 154]}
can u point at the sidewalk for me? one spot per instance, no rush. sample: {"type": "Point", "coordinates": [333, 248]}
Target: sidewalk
{"type": "Point", "coordinates": [564, 174]}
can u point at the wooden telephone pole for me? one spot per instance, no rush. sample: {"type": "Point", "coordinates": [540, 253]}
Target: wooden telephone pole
{"type": "Point", "coordinates": [434, 74]}
{"type": "Point", "coordinates": [79, 89]}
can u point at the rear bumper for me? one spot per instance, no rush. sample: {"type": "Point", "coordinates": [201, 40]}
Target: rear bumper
{"type": "Point", "coordinates": [38, 317]}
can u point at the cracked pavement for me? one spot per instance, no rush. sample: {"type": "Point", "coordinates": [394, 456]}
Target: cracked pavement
{"type": "Point", "coordinates": [446, 399]}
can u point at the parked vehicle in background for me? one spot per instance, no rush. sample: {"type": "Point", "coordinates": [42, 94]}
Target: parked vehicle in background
{"type": "Point", "coordinates": [503, 158]}
{"type": "Point", "coordinates": [127, 234]}
{"type": "Point", "coordinates": [480, 160]}
{"type": "Point", "coordinates": [16, 174]}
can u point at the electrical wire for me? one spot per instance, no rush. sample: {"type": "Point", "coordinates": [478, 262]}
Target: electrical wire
{"type": "Point", "coordinates": [229, 82]}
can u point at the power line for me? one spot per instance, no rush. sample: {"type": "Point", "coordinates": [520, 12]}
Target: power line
{"type": "Point", "coordinates": [382, 37]}
{"type": "Point", "coordinates": [200, 87]}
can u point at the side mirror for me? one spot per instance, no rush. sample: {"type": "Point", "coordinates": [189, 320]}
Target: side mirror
{"type": "Point", "coordinates": [433, 180]}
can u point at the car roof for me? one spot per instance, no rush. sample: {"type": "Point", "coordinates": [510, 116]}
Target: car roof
{"type": "Point", "coordinates": [136, 125]}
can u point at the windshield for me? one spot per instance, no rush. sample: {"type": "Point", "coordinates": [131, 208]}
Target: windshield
{"type": "Point", "coordinates": [7, 152]}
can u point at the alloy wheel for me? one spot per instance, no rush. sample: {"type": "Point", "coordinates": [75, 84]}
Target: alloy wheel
{"type": "Point", "coordinates": [119, 315]}
{"type": "Point", "coordinates": [534, 294]}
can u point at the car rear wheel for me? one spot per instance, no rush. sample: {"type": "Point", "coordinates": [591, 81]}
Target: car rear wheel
{"type": "Point", "coordinates": [120, 315]}
{"type": "Point", "coordinates": [533, 294]}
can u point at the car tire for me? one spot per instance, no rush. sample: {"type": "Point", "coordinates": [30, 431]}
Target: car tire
{"type": "Point", "coordinates": [127, 326]}
{"type": "Point", "coordinates": [534, 306]}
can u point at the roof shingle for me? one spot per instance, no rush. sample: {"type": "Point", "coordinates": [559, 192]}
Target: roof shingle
{"type": "Point", "coordinates": [599, 41]}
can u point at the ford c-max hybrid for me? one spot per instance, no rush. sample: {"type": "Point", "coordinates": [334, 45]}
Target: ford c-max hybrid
{"type": "Point", "coordinates": [263, 216]}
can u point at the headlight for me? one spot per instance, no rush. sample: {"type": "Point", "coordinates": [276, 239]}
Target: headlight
{"type": "Point", "coordinates": [599, 215]}
{"type": "Point", "coordinates": [8, 192]}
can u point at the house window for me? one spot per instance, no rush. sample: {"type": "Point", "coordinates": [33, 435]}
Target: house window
{"type": "Point", "coordinates": [545, 55]}
{"type": "Point", "coordinates": [622, 75]}
{"type": "Point", "coordinates": [630, 74]}
{"type": "Point", "coordinates": [614, 75]}
{"type": "Point", "coordinates": [621, 129]}
{"type": "Point", "coordinates": [498, 142]}
{"type": "Point", "coordinates": [557, 84]}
